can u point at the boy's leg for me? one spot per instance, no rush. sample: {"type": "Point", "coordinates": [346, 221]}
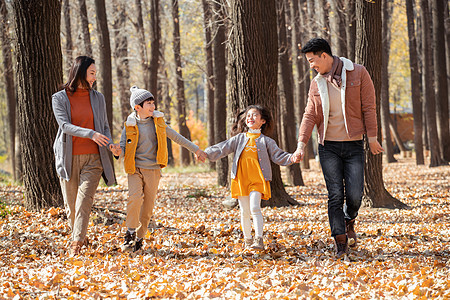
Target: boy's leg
{"type": "Point", "coordinates": [135, 198]}
{"type": "Point", "coordinates": [246, 223]}
{"type": "Point", "coordinates": [151, 179]}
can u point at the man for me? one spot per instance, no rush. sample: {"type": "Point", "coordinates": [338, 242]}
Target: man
{"type": "Point", "coordinates": [341, 103]}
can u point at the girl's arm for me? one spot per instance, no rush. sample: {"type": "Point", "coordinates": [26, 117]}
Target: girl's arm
{"type": "Point", "coordinates": [222, 149]}
{"type": "Point", "coordinates": [277, 155]}
{"type": "Point", "coordinates": [181, 140]}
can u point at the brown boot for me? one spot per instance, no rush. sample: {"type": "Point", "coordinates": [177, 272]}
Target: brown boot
{"type": "Point", "coordinates": [341, 245]}
{"type": "Point", "coordinates": [351, 234]}
{"type": "Point", "coordinates": [75, 247]}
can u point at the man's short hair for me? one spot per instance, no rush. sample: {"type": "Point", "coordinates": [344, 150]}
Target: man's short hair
{"type": "Point", "coordinates": [317, 46]}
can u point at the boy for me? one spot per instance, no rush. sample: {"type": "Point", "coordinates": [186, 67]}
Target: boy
{"type": "Point", "coordinates": [144, 144]}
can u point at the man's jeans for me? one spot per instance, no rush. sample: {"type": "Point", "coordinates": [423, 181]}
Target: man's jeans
{"type": "Point", "coordinates": [343, 169]}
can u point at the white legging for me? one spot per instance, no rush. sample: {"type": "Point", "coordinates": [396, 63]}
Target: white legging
{"type": "Point", "coordinates": [251, 207]}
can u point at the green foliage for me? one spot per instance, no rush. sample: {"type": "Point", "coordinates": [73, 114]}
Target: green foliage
{"type": "Point", "coordinates": [4, 209]}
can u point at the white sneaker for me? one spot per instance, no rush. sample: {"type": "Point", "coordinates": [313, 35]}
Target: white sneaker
{"type": "Point", "coordinates": [230, 203]}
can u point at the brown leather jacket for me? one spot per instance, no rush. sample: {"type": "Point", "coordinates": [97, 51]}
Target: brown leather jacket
{"type": "Point", "coordinates": [358, 92]}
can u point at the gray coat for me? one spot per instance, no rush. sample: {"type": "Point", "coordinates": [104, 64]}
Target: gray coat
{"type": "Point", "coordinates": [267, 151]}
{"type": "Point", "coordinates": [63, 142]}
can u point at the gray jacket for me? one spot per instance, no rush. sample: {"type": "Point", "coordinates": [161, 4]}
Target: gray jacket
{"type": "Point", "coordinates": [63, 142]}
{"type": "Point", "coordinates": [267, 150]}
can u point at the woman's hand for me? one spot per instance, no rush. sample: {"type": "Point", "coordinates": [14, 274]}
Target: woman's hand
{"type": "Point", "coordinates": [100, 139]}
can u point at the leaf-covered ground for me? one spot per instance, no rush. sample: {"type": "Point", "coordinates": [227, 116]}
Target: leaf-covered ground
{"type": "Point", "coordinates": [194, 249]}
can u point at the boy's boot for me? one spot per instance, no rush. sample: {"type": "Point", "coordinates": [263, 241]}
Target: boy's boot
{"type": "Point", "coordinates": [341, 242]}
{"type": "Point", "coordinates": [138, 244]}
{"type": "Point", "coordinates": [129, 241]}
{"type": "Point", "coordinates": [351, 234]}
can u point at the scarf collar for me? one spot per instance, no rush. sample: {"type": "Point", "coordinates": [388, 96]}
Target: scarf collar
{"type": "Point", "coordinates": [254, 130]}
{"type": "Point", "coordinates": [334, 76]}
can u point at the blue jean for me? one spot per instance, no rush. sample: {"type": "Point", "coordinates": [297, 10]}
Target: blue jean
{"type": "Point", "coordinates": [343, 169]}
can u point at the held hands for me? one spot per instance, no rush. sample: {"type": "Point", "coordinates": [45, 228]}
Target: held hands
{"type": "Point", "coordinates": [115, 149]}
{"type": "Point", "coordinates": [100, 139]}
{"type": "Point", "coordinates": [200, 155]}
{"type": "Point", "coordinates": [297, 156]}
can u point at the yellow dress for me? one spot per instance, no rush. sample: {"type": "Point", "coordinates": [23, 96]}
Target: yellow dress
{"type": "Point", "coordinates": [249, 176]}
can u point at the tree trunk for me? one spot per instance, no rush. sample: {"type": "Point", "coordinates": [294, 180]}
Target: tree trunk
{"type": "Point", "coordinates": [440, 78]}
{"type": "Point", "coordinates": [253, 63]}
{"type": "Point", "coordinates": [38, 51]}
{"type": "Point", "coordinates": [10, 89]}
{"type": "Point", "coordinates": [139, 26]}
{"type": "Point", "coordinates": [105, 59]}
{"type": "Point", "coordinates": [338, 25]}
{"type": "Point", "coordinates": [415, 84]}
{"type": "Point", "coordinates": [289, 143]}
{"type": "Point", "coordinates": [121, 59]}
{"type": "Point", "coordinates": [182, 127]}
{"type": "Point", "coordinates": [350, 28]}
{"type": "Point", "coordinates": [209, 88]}
{"type": "Point", "coordinates": [68, 33]}
{"type": "Point", "coordinates": [324, 19]}
{"type": "Point", "coordinates": [155, 44]}
{"type": "Point", "coordinates": [385, 113]}
{"type": "Point", "coordinates": [220, 98]}
{"type": "Point", "coordinates": [396, 135]}
{"type": "Point", "coordinates": [85, 28]}
{"type": "Point", "coordinates": [167, 103]}
{"type": "Point", "coordinates": [447, 40]}
{"type": "Point", "coordinates": [429, 95]}
{"type": "Point", "coordinates": [368, 53]}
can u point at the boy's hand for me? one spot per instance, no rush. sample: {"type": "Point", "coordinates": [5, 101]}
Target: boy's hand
{"type": "Point", "coordinates": [200, 155]}
{"type": "Point", "coordinates": [115, 149]}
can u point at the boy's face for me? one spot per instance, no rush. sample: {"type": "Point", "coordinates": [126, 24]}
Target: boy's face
{"type": "Point", "coordinates": [146, 110]}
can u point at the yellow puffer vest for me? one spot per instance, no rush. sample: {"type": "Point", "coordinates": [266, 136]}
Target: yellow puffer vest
{"type": "Point", "coordinates": [132, 133]}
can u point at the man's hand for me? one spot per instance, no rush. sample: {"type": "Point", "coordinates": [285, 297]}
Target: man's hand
{"type": "Point", "coordinates": [297, 156]}
{"type": "Point", "coordinates": [200, 155]}
{"type": "Point", "coordinates": [375, 147]}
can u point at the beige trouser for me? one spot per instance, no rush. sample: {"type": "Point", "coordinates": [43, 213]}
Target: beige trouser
{"type": "Point", "coordinates": [78, 192]}
{"type": "Point", "coordinates": [142, 189]}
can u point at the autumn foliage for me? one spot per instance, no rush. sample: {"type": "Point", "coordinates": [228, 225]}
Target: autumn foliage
{"type": "Point", "coordinates": [194, 247]}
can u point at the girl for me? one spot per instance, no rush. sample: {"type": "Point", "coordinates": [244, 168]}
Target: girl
{"type": "Point", "coordinates": [251, 172]}
{"type": "Point", "coordinates": [81, 146]}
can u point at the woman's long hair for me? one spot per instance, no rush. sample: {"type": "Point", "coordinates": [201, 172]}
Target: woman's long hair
{"type": "Point", "coordinates": [240, 125]}
{"type": "Point", "coordinates": [77, 74]}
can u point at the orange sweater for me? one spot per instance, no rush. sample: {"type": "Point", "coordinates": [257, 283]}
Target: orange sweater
{"type": "Point", "coordinates": [81, 115]}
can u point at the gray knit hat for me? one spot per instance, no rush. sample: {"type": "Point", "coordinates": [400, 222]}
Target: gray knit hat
{"type": "Point", "coordinates": [138, 96]}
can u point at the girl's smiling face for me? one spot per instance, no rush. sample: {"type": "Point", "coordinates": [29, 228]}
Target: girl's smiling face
{"type": "Point", "coordinates": [253, 119]}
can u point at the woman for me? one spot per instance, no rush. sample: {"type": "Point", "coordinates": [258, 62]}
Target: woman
{"type": "Point", "coordinates": [81, 146]}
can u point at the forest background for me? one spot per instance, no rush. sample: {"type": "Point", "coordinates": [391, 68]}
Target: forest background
{"type": "Point", "coordinates": [185, 53]}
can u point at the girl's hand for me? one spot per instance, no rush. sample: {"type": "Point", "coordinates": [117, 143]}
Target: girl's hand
{"type": "Point", "coordinates": [100, 139]}
{"type": "Point", "coordinates": [200, 155]}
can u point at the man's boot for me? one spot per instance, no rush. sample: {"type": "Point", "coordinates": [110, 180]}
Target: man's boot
{"type": "Point", "coordinates": [351, 234]}
{"type": "Point", "coordinates": [341, 245]}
